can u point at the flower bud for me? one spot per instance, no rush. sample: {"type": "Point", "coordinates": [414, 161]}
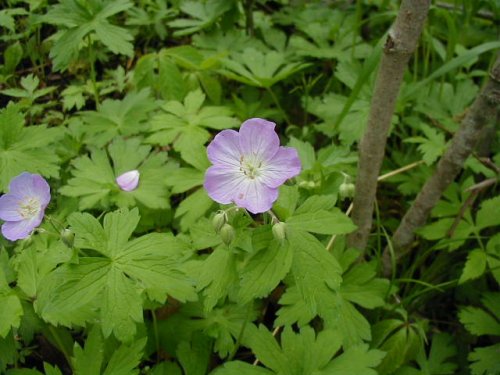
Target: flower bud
{"type": "Point", "coordinates": [227, 234]}
{"type": "Point", "coordinates": [128, 181]}
{"type": "Point", "coordinates": [219, 220]}
{"type": "Point", "coordinates": [279, 231]}
{"type": "Point", "coordinates": [68, 237]}
{"type": "Point", "coordinates": [346, 190]}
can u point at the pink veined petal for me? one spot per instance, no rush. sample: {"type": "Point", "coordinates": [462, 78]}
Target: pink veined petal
{"type": "Point", "coordinates": [258, 140]}
{"type": "Point", "coordinates": [22, 185]}
{"type": "Point", "coordinates": [9, 208]}
{"type": "Point", "coordinates": [255, 196]}
{"type": "Point", "coordinates": [17, 230]}
{"type": "Point", "coordinates": [221, 182]}
{"type": "Point", "coordinates": [284, 165]}
{"type": "Point", "coordinates": [30, 185]}
{"type": "Point", "coordinates": [128, 181]}
{"type": "Point", "coordinates": [225, 148]}
{"type": "Point", "coordinates": [42, 189]}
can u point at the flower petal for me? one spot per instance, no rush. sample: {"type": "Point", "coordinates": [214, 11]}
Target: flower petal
{"type": "Point", "coordinates": [284, 165]}
{"type": "Point", "coordinates": [221, 182]}
{"type": "Point", "coordinates": [42, 189]}
{"type": "Point", "coordinates": [255, 196]}
{"type": "Point", "coordinates": [30, 185]}
{"type": "Point", "coordinates": [9, 208]}
{"type": "Point", "coordinates": [225, 148]}
{"type": "Point", "coordinates": [258, 140]}
{"type": "Point", "coordinates": [128, 181]}
{"type": "Point", "coordinates": [17, 230]}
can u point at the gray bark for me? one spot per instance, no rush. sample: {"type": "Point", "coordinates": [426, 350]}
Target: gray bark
{"type": "Point", "coordinates": [399, 47]}
{"type": "Point", "coordinates": [482, 111]}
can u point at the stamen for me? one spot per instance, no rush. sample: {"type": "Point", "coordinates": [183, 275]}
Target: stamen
{"type": "Point", "coordinates": [29, 207]}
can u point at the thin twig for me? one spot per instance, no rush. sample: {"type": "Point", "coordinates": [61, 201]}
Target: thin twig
{"type": "Point", "coordinates": [480, 13]}
{"type": "Point", "coordinates": [468, 202]}
{"type": "Point", "coordinates": [275, 332]}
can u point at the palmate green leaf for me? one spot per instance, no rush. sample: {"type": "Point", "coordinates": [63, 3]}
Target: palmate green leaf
{"type": "Point", "coordinates": [479, 322]}
{"type": "Point", "coordinates": [432, 146]}
{"type": "Point", "coordinates": [204, 15]}
{"type": "Point", "coordinates": [487, 216]}
{"type": "Point", "coordinates": [88, 360]}
{"type": "Point", "coordinates": [217, 274]}
{"type": "Point", "coordinates": [255, 68]}
{"type": "Point", "coordinates": [11, 311]}
{"type": "Point", "coordinates": [484, 361]}
{"type": "Point", "coordinates": [126, 359]}
{"type": "Point", "coordinates": [316, 272]}
{"type": "Point", "coordinates": [438, 362]}
{"type": "Point", "coordinates": [159, 72]}
{"type": "Point", "coordinates": [112, 286]}
{"type": "Point", "coordinates": [125, 117]}
{"type": "Point", "coordinates": [26, 148]}
{"type": "Point", "coordinates": [321, 222]}
{"type": "Point", "coordinates": [399, 339]}
{"type": "Point", "coordinates": [192, 208]}
{"type": "Point", "coordinates": [222, 324]}
{"type": "Point", "coordinates": [36, 260]}
{"type": "Point", "coordinates": [93, 180]}
{"type": "Point", "coordinates": [241, 368]}
{"type": "Point", "coordinates": [86, 22]}
{"type": "Point", "coordinates": [183, 179]}
{"type": "Point", "coordinates": [474, 266]}
{"type": "Point", "coordinates": [306, 353]}
{"type": "Point", "coordinates": [91, 359]}
{"type": "Point", "coordinates": [262, 271]}
{"type": "Point", "coordinates": [359, 286]}
{"type": "Point", "coordinates": [195, 356]}
{"type": "Point", "coordinates": [183, 124]}
{"type": "Point", "coordinates": [328, 107]}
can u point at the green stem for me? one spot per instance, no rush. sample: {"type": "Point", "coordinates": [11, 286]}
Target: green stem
{"type": "Point", "coordinates": [60, 345]}
{"type": "Point", "coordinates": [242, 331]}
{"type": "Point", "coordinates": [277, 102]}
{"type": "Point", "coordinates": [92, 59]}
{"type": "Point", "coordinates": [157, 338]}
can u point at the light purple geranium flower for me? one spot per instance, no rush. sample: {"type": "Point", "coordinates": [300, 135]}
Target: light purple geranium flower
{"type": "Point", "coordinates": [128, 181]}
{"type": "Point", "coordinates": [249, 166]}
{"type": "Point", "coordinates": [23, 207]}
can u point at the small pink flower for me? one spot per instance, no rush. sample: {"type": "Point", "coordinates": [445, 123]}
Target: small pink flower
{"type": "Point", "coordinates": [249, 166]}
{"type": "Point", "coordinates": [23, 207]}
{"type": "Point", "coordinates": [129, 180]}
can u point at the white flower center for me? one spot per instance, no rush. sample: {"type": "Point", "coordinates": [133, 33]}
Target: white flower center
{"type": "Point", "coordinates": [29, 207]}
{"type": "Point", "coordinates": [250, 168]}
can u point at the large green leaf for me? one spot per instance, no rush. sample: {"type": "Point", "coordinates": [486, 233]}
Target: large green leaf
{"type": "Point", "coordinates": [26, 148]}
{"type": "Point", "coordinates": [114, 284]}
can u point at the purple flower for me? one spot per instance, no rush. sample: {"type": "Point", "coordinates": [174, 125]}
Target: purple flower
{"type": "Point", "coordinates": [23, 207]}
{"type": "Point", "coordinates": [249, 166]}
{"type": "Point", "coordinates": [128, 181]}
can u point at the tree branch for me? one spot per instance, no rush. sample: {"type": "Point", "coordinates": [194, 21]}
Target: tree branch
{"type": "Point", "coordinates": [482, 111]}
{"type": "Point", "coordinates": [398, 49]}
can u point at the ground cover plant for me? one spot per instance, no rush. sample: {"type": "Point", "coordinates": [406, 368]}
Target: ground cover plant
{"type": "Point", "coordinates": [249, 187]}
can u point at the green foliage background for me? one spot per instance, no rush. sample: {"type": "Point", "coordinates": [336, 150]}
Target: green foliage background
{"type": "Point", "coordinates": [136, 282]}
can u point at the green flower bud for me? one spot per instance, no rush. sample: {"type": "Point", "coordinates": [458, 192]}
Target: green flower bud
{"type": "Point", "coordinates": [227, 234]}
{"type": "Point", "coordinates": [346, 190]}
{"type": "Point", "coordinates": [279, 231]}
{"type": "Point", "coordinates": [68, 237]}
{"type": "Point", "coordinates": [219, 220]}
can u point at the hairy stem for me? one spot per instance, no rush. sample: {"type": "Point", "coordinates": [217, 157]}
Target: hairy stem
{"type": "Point", "coordinates": [248, 5]}
{"type": "Point", "coordinates": [399, 47]}
{"type": "Point", "coordinates": [483, 111]}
